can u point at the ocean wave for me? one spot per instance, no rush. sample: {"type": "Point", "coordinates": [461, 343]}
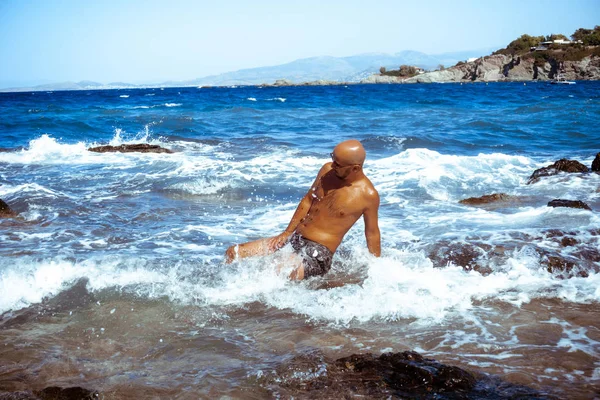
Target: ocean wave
{"type": "Point", "coordinates": [399, 285]}
{"type": "Point", "coordinates": [50, 151]}
{"type": "Point", "coordinates": [45, 149]}
{"type": "Point", "coordinates": [30, 190]}
{"type": "Point", "coordinates": [449, 177]}
{"type": "Point", "coordinates": [202, 186]}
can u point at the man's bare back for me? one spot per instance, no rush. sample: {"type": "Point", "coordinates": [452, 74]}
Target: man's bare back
{"type": "Point", "coordinates": [339, 196]}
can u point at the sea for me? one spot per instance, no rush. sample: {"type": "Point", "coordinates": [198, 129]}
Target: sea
{"type": "Point", "coordinates": [112, 275]}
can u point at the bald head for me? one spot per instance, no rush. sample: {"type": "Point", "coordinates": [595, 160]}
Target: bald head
{"type": "Point", "coordinates": [350, 152]}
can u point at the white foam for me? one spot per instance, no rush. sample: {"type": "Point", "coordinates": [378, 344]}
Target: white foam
{"type": "Point", "coordinates": [29, 189]}
{"type": "Point", "coordinates": [173, 104]}
{"type": "Point", "coordinates": [28, 284]}
{"type": "Point", "coordinates": [45, 149]}
{"type": "Point", "coordinates": [251, 99]}
{"type": "Point", "coordinates": [401, 284]}
{"type": "Point", "coordinates": [124, 96]}
{"type": "Point", "coordinates": [448, 177]}
{"type": "Point", "coordinates": [50, 151]}
{"type": "Point", "coordinates": [398, 287]}
{"type": "Point", "coordinates": [200, 186]}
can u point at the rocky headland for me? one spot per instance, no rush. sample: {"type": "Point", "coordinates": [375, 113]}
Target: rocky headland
{"type": "Point", "coordinates": [503, 68]}
{"type": "Point", "coordinates": [527, 58]}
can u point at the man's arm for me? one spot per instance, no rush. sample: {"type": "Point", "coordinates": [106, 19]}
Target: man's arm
{"type": "Point", "coordinates": [372, 223]}
{"type": "Point", "coordinates": [301, 210]}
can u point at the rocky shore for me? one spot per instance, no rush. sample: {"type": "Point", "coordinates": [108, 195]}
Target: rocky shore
{"type": "Point", "coordinates": [503, 68]}
{"type": "Point", "coordinates": [312, 374]}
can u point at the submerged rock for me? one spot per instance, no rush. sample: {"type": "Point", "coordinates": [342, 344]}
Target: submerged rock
{"type": "Point", "coordinates": [562, 253]}
{"type": "Point", "coordinates": [52, 393]}
{"type": "Point", "coordinates": [71, 393]}
{"type": "Point", "coordinates": [562, 165]}
{"type": "Point", "coordinates": [409, 372]}
{"type": "Point", "coordinates": [581, 257]}
{"type": "Point", "coordinates": [596, 163]}
{"type": "Point", "coordinates": [562, 268]}
{"type": "Point", "coordinates": [465, 255]}
{"type": "Point", "coordinates": [131, 148]}
{"type": "Point", "coordinates": [565, 266]}
{"type": "Point", "coordinates": [71, 299]}
{"type": "Point", "coordinates": [5, 210]}
{"type": "Point", "coordinates": [486, 199]}
{"type": "Point", "coordinates": [569, 203]}
{"type": "Point", "coordinates": [391, 375]}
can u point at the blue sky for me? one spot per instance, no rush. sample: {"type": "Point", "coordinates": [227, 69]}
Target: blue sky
{"type": "Point", "coordinates": [144, 41]}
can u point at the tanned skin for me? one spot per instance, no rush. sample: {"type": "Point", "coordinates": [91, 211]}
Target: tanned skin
{"type": "Point", "coordinates": [339, 196]}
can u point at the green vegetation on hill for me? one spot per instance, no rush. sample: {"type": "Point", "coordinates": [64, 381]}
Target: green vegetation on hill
{"type": "Point", "coordinates": [589, 37]}
{"type": "Point", "coordinates": [586, 44]}
{"type": "Point", "coordinates": [405, 71]}
{"type": "Point", "coordinates": [521, 45]}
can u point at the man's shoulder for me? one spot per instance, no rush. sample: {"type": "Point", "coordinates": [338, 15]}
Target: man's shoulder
{"type": "Point", "coordinates": [369, 190]}
{"type": "Point", "coordinates": [325, 168]}
{"type": "Point", "coordinates": [368, 185]}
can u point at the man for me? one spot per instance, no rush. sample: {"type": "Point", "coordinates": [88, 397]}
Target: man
{"type": "Point", "coordinates": [340, 195]}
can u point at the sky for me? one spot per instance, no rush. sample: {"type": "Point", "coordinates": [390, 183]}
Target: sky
{"type": "Point", "coordinates": [148, 41]}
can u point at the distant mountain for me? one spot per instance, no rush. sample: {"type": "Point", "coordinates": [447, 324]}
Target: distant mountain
{"type": "Point", "coordinates": [82, 85]}
{"type": "Point", "coordinates": [341, 69]}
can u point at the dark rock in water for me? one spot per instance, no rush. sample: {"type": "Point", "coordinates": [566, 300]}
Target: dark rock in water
{"type": "Point", "coordinates": [588, 254]}
{"type": "Point", "coordinates": [409, 372]}
{"type": "Point", "coordinates": [18, 396]}
{"type": "Point", "coordinates": [131, 148]}
{"type": "Point", "coordinates": [556, 264]}
{"type": "Point", "coordinates": [70, 299]}
{"type": "Point", "coordinates": [561, 266]}
{"type": "Point", "coordinates": [75, 297]}
{"type": "Point", "coordinates": [569, 203]}
{"type": "Point", "coordinates": [596, 163]}
{"type": "Point", "coordinates": [5, 211]}
{"type": "Point", "coordinates": [72, 393]}
{"type": "Point", "coordinates": [52, 393]}
{"type": "Point", "coordinates": [568, 241]}
{"type": "Point", "coordinates": [461, 254]}
{"type": "Point", "coordinates": [562, 165]}
{"type": "Point", "coordinates": [406, 375]}
{"type": "Point", "coordinates": [573, 256]}
{"type": "Point", "coordinates": [580, 259]}
{"type": "Point", "coordinates": [490, 198]}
